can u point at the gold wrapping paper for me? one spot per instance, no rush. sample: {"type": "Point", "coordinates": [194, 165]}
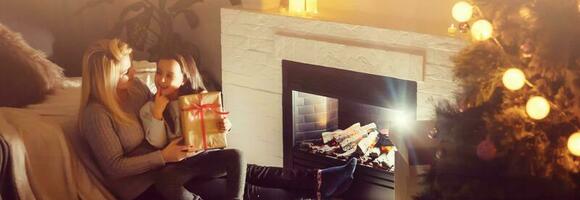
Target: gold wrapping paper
{"type": "Point", "coordinates": [199, 112]}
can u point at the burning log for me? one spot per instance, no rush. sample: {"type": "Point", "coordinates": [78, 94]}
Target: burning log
{"type": "Point", "coordinates": [328, 136]}
{"type": "Point", "coordinates": [353, 140]}
{"type": "Point", "coordinates": [340, 135]}
{"type": "Point", "coordinates": [367, 143]}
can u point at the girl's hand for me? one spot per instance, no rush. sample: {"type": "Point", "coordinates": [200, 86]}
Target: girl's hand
{"type": "Point", "coordinates": [159, 105]}
{"type": "Point", "coordinates": [175, 152]}
{"type": "Point", "coordinates": [131, 72]}
{"type": "Point", "coordinates": [225, 125]}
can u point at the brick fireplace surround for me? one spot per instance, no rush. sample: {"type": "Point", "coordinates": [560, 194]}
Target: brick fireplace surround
{"type": "Point", "coordinates": [254, 43]}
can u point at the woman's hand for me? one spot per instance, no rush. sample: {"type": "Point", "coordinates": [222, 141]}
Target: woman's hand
{"type": "Point", "coordinates": [225, 125]}
{"type": "Point", "coordinates": [175, 152]}
{"type": "Point", "coordinates": [159, 105]}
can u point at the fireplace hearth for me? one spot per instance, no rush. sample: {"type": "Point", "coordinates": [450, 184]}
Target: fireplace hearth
{"type": "Point", "coordinates": [319, 101]}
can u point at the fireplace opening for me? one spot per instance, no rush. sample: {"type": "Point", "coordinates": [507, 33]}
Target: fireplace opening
{"type": "Point", "coordinates": [332, 114]}
{"type": "Point", "coordinates": [316, 130]}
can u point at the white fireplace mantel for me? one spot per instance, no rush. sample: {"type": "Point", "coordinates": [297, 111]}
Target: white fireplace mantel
{"type": "Point", "coordinates": [255, 43]}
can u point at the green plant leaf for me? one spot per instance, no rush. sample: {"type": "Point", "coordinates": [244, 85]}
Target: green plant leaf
{"type": "Point", "coordinates": [182, 4]}
{"type": "Point", "coordinates": [191, 18]}
{"type": "Point", "coordinates": [91, 4]}
{"type": "Point", "coordinates": [137, 29]}
{"type": "Point", "coordinates": [117, 29]}
{"type": "Point", "coordinates": [134, 7]}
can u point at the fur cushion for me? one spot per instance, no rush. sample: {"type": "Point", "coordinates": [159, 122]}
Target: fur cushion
{"type": "Point", "coordinates": [26, 75]}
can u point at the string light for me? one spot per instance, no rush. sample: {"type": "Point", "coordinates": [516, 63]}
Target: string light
{"type": "Point", "coordinates": [538, 107]}
{"type": "Point", "coordinates": [525, 13]}
{"type": "Point", "coordinates": [481, 30]}
{"type": "Point", "coordinates": [574, 143]}
{"type": "Point", "coordinates": [462, 11]}
{"type": "Point", "coordinates": [514, 79]}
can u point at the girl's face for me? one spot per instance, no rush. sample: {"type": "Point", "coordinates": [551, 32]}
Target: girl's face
{"type": "Point", "coordinates": [126, 74]}
{"type": "Point", "coordinates": [168, 77]}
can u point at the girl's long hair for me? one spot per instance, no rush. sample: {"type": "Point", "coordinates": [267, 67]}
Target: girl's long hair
{"type": "Point", "coordinates": [193, 83]}
{"type": "Point", "coordinates": [191, 76]}
{"type": "Point", "coordinates": [101, 73]}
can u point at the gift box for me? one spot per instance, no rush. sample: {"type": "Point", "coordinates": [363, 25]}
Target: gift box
{"type": "Point", "coordinates": [200, 115]}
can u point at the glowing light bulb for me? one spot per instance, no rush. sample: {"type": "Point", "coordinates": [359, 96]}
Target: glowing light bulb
{"type": "Point", "coordinates": [525, 13]}
{"type": "Point", "coordinates": [514, 79]}
{"type": "Point", "coordinates": [481, 30]}
{"type": "Point", "coordinates": [574, 143]}
{"type": "Point", "coordinates": [538, 107]}
{"type": "Point", "coordinates": [462, 11]}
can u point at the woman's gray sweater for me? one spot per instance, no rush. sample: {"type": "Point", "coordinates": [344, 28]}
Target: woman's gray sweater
{"type": "Point", "coordinates": [129, 164]}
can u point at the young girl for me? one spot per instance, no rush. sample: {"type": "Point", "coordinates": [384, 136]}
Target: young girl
{"type": "Point", "coordinates": [177, 75]}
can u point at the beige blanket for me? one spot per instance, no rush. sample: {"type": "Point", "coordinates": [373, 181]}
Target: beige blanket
{"type": "Point", "coordinates": [46, 162]}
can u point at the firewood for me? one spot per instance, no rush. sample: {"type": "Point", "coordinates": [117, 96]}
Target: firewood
{"type": "Point", "coordinates": [339, 136]}
{"type": "Point", "coordinates": [356, 136]}
{"type": "Point", "coordinates": [328, 136]}
{"type": "Point", "coordinates": [384, 140]}
{"type": "Point", "coordinates": [374, 153]}
{"type": "Point", "coordinates": [347, 154]}
{"type": "Point", "coordinates": [367, 143]}
{"type": "Point", "coordinates": [371, 146]}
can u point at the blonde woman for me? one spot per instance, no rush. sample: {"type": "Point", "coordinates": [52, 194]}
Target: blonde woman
{"type": "Point", "coordinates": [108, 120]}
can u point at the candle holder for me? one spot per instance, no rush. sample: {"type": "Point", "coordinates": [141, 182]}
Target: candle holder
{"type": "Point", "coordinates": [297, 7]}
{"type": "Point", "coordinates": [312, 7]}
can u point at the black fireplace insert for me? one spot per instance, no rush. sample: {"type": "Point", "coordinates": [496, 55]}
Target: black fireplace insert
{"type": "Point", "coordinates": [319, 101]}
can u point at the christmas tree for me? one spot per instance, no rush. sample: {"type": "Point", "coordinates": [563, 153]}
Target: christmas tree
{"type": "Point", "coordinates": [514, 130]}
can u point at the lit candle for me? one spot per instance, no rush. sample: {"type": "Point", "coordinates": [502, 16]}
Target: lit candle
{"type": "Point", "coordinates": [312, 6]}
{"type": "Point", "coordinates": [296, 7]}
{"type": "Point", "coordinates": [452, 30]}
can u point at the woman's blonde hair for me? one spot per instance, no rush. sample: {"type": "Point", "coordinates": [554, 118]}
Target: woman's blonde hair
{"type": "Point", "coordinates": [101, 73]}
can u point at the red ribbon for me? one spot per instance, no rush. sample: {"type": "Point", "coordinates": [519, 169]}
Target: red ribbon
{"type": "Point", "coordinates": [199, 109]}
